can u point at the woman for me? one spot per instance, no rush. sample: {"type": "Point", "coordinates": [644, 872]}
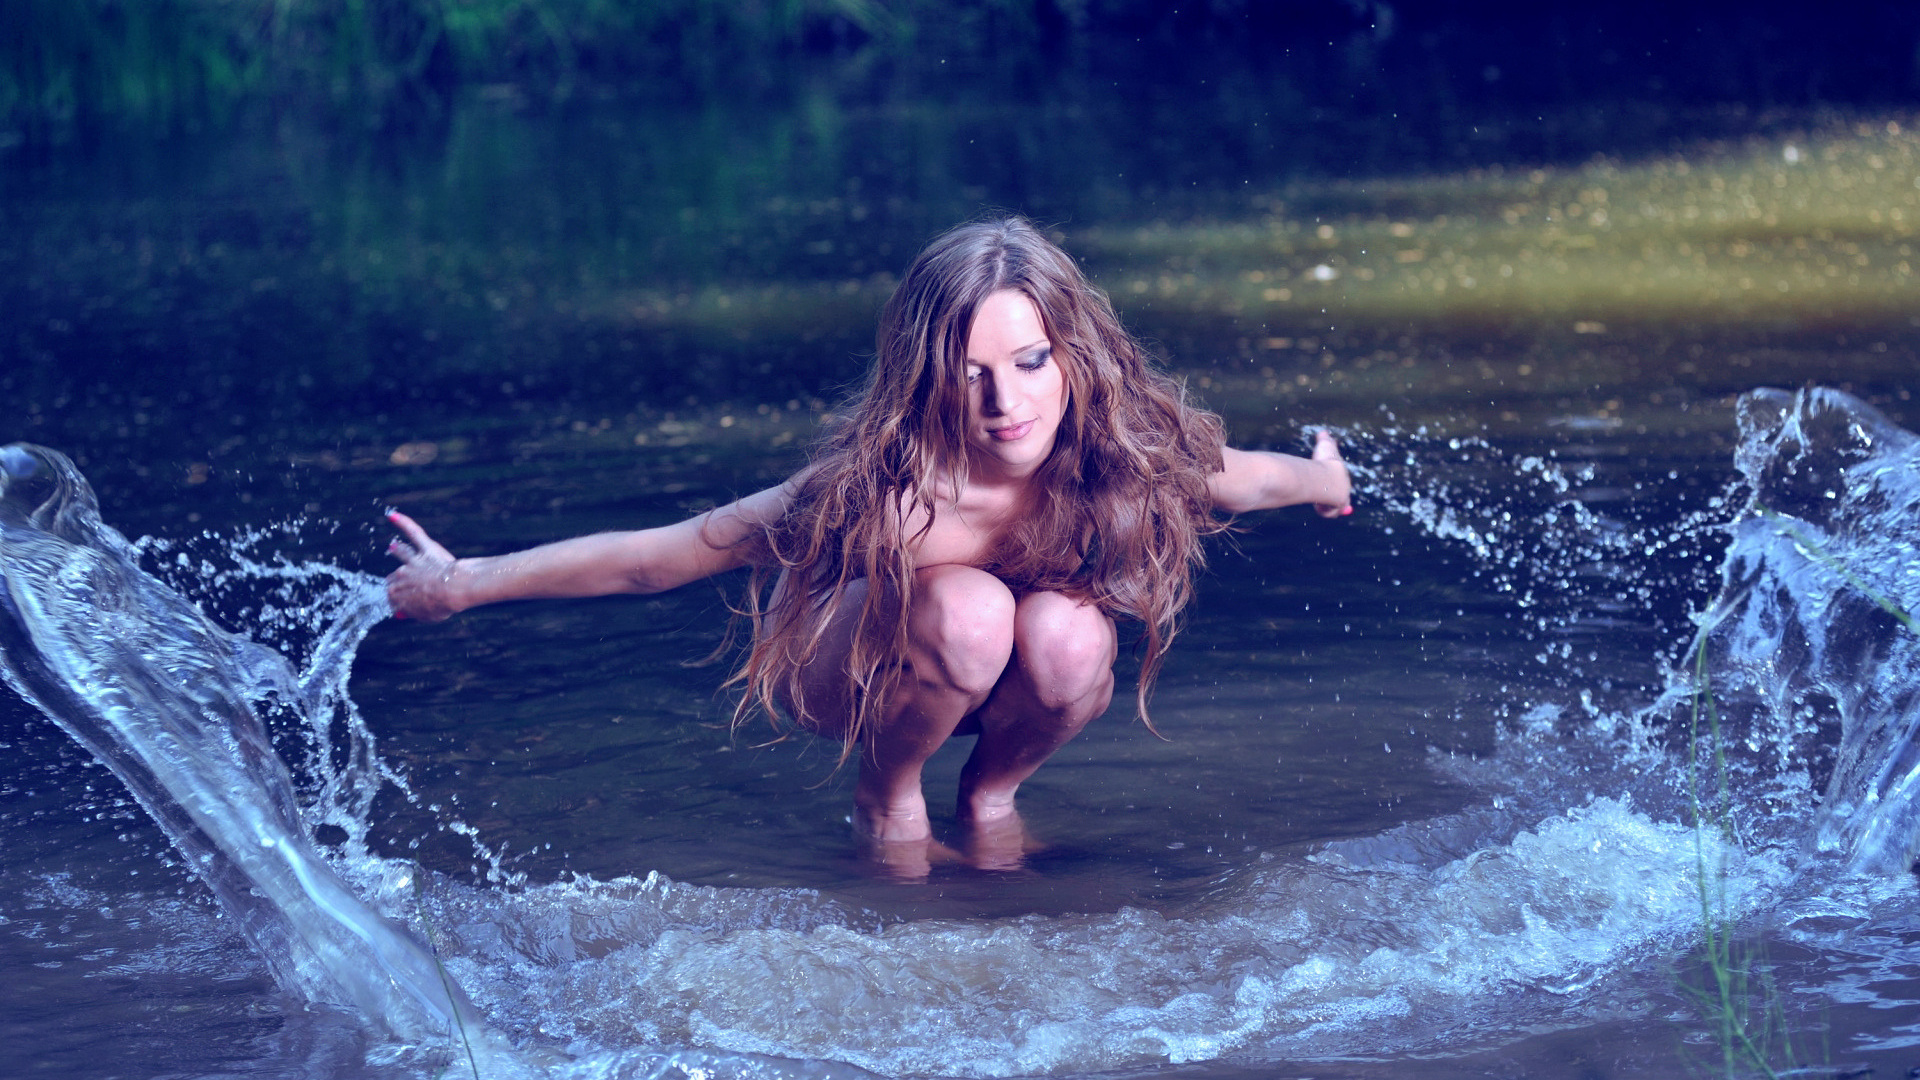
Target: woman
{"type": "Point", "coordinates": [1012, 479]}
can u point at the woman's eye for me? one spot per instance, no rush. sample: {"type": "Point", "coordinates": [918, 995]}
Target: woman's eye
{"type": "Point", "coordinates": [1036, 363]}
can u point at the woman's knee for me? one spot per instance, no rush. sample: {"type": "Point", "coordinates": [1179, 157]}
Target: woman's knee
{"type": "Point", "coordinates": [1067, 649]}
{"type": "Point", "coordinates": [962, 621]}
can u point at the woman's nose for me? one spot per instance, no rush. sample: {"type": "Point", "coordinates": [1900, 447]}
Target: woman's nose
{"type": "Point", "coordinates": [1002, 396]}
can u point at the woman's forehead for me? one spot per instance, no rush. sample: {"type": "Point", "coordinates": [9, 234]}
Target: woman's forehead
{"type": "Point", "coordinates": [1007, 321]}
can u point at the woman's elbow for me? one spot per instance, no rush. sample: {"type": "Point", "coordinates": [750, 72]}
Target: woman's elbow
{"type": "Point", "coordinates": [665, 575]}
{"type": "Point", "coordinates": [646, 581]}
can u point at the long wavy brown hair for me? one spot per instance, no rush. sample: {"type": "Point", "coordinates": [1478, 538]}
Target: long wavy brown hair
{"type": "Point", "coordinates": [1117, 513]}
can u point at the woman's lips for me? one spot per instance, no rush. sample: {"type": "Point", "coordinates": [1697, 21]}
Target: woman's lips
{"type": "Point", "coordinates": [1012, 431]}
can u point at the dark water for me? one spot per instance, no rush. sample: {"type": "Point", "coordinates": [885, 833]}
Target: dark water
{"type": "Point", "coordinates": [536, 327]}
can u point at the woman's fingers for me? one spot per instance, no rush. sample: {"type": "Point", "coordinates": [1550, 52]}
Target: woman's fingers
{"type": "Point", "coordinates": [418, 588]}
{"type": "Point", "coordinates": [1325, 446]}
{"type": "Point", "coordinates": [417, 541]}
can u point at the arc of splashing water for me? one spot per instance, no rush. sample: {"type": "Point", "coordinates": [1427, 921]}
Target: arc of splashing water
{"type": "Point", "coordinates": [1832, 482]}
{"type": "Point", "coordinates": [163, 697]}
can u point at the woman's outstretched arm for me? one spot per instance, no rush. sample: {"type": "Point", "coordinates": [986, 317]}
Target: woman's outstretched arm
{"type": "Point", "coordinates": [1261, 480]}
{"type": "Point", "coordinates": [431, 584]}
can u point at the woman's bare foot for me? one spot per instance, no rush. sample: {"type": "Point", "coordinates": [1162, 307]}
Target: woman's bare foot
{"type": "Point", "coordinates": [899, 818]}
{"type": "Point", "coordinates": [905, 861]}
{"type": "Point", "coordinates": [1000, 842]}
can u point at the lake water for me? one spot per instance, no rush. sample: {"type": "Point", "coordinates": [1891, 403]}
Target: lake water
{"type": "Point", "coordinates": [1427, 800]}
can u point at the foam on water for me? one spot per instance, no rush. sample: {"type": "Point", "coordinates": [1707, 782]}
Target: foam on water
{"type": "Point", "coordinates": [1602, 834]}
{"type": "Point", "coordinates": [1322, 957]}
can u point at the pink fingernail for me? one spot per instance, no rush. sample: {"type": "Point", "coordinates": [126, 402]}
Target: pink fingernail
{"type": "Point", "coordinates": [401, 615]}
{"type": "Point", "coordinates": [1345, 510]}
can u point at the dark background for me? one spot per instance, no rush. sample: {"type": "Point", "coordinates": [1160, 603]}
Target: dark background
{"type": "Point", "coordinates": [78, 69]}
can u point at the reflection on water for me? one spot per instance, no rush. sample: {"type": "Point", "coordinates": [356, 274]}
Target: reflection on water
{"type": "Point", "coordinates": [544, 328]}
{"type": "Point", "coordinates": [489, 295]}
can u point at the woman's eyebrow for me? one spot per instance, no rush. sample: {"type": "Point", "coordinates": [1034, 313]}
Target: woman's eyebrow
{"type": "Point", "coordinates": [1021, 353]}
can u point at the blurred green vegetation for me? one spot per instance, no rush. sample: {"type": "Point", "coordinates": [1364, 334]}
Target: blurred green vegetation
{"type": "Point", "coordinates": [69, 68]}
{"type": "Point", "coordinates": [168, 64]}
{"type": "Point", "coordinates": [64, 60]}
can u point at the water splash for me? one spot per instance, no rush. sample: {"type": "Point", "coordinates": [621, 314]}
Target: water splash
{"type": "Point", "coordinates": [1564, 544]}
{"type": "Point", "coordinates": [165, 698]}
{"type": "Point", "coordinates": [1809, 646]}
{"type": "Point", "coordinates": [1810, 642]}
{"type": "Point", "coordinates": [314, 615]}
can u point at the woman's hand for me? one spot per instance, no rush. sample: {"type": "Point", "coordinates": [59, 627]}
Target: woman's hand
{"type": "Point", "coordinates": [423, 587]}
{"type": "Point", "coordinates": [1326, 451]}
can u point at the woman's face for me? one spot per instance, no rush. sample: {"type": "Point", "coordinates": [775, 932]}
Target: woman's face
{"type": "Point", "coordinates": [1016, 392]}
